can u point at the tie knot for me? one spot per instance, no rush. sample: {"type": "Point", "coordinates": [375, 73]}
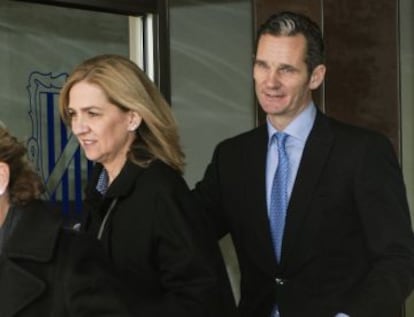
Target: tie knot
{"type": "Point", "coordinates": [280, 138]}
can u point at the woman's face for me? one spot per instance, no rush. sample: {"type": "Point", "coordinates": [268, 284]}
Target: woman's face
{"type": "Point", "coordinates": [104, 131]}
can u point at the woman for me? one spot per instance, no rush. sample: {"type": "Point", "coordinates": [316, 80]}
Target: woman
{"type": "Point", "coordinates": [45, 270]}
{"type": "Point", "coordinates": [137, 202]}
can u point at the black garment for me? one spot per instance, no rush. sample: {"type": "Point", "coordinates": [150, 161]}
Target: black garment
{"type": "Point", "coordinates": [12, 217]}
{"type": "Point", "coordinates": [52, 272]}
{"type": "Point", "coordinates": [164, 253]}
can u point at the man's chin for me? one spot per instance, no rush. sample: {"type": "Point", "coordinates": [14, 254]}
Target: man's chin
{"type": "Point", "coordinates": [273, 110]}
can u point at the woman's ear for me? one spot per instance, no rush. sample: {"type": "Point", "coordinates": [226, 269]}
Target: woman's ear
{"type": "Point", "coordinates": [317, 77]}
{"type": "Point", "coordinates": [4, 177]}
{"type": "Point", "coordinates": [134, 121]}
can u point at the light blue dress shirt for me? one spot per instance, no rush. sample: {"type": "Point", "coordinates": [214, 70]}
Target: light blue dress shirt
{"type": "Point", "coordinates": [298, 131]}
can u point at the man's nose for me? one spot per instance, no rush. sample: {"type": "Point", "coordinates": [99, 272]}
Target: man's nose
{"type": "Point", "coordinates": [273, 79]}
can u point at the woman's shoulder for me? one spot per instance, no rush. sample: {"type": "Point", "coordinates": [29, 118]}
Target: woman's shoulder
{"type": "Point", "coordinates": [160, 173]}
{"type": "Point", "coordinates": [158, 179]}
{"type": "Point", "coordinates": [143, 183]}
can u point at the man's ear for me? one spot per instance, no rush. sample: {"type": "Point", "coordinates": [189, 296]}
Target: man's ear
{"type": "Point", "coordinates": [4, 177]}
{"type": "Point", "coordinates": [317, 76]}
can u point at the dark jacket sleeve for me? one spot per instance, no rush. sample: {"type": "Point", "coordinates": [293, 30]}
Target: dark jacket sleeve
{"type": "Point", "coordinates": [181, 258]}
{"type": "Point", "coordinates": [207, 194]}
{"type": "Point", "coordinates": [197, 237]}
{"type": "Point", "coordinates": [383, 209]}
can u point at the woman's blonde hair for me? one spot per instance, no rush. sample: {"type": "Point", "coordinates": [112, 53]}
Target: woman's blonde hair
{"type": "Point", "coordinates": [129, 88]}
{"type": "Point", "coordinates": [25, 184]}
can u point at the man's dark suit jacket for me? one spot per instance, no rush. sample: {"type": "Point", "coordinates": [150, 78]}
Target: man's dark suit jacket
{"type": "Point", "coordinates": [53, 272]}
{"type": "Point", "coordinates": [348, 245]}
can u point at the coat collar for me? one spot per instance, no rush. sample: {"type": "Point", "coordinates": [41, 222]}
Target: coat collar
{"type": "Point", "coordinates": [44, 224]}
{"type": "Point", "coordinates": [18, 287]}
{"type": "Point", "coordinates": [255, 189]}
{"type": "Point", "coordinates": [123, 183]}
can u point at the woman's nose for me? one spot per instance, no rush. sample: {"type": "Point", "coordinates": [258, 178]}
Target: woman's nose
{"type": "Point", "coordinates": [78, 125]}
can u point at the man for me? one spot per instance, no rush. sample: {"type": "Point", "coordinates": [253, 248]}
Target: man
{"type": "Point", "coordinates": [328, 232]}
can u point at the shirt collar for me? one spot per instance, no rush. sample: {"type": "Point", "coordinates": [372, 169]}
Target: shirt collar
{"type": "Point", "coordinates": [300, 127]}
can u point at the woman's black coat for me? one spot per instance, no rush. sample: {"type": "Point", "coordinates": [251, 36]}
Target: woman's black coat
{"type": "Point", "coordinates": [167, 260]}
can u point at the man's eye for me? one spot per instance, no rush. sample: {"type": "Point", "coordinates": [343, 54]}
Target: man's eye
{"type": "Point", "coordinates": [261, 65]}
{"type": "Point", "coordinates": [287, 70]}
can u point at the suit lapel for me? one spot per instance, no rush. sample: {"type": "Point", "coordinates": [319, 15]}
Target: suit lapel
{"type": "Point", "coordinates": [256, 198]}
{"type": "Point", "coordinates": [18, 286]}
{"type": "Point", "coordinates": [315, 153]}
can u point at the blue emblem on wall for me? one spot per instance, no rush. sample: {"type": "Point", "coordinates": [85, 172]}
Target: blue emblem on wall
{"type": "Point", "coordinates": [52, 148]}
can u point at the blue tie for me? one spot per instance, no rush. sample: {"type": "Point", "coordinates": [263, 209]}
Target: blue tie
{"type": "Point", "coordinates": [279, 195]}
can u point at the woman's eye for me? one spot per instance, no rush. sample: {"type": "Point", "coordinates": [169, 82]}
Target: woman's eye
{"type": "Point", "coordinates": [93, 114]}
